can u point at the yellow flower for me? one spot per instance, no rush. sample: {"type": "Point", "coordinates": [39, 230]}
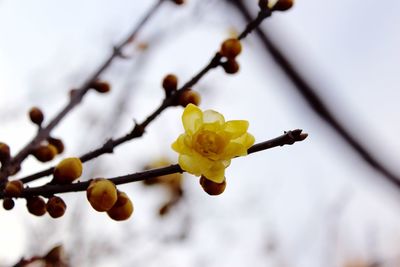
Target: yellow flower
{"type": "Point", "coordinates": [209, 143]}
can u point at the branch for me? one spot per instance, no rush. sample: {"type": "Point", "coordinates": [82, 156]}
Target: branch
{"type": "Point", "coordinates": [288, 138]}
{"type": "Point", "coordinates": [76, 98]}
{"type": "Point", "coordinates": [169, 101]}
{"type": "Point", "coordinates": [315, 102]}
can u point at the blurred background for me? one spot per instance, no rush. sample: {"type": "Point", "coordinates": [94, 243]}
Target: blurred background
{"type": "Point", "coordinates": [316, 203]}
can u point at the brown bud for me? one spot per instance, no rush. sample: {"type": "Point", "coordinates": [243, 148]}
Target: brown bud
{"type": "Point", "coordinates": [8, 203]}
{"type": "Point", "coordinates": [67, 171]}
{"type": "Point", "coordinates": [282, 5]}
{"type": "Point", "coordinates": [122, 209]}
{"type": "Point", "coordinates": [36, 115]}
{"type": "Point", "coordinates": [212, 188]}
{"type": "Point", "coordinates": [36, 205]}
{"type": "Point", "coordinates": [14, 188]}
{"type": "Point", "coordinates": [189, 96]}
{"type": "Point", "coordinates": [56, 207]}
{"type": "Point", "coordinates": [101, 194]}
{"type": "Point", "coordinates": [179, 2]}
{"type": "Point", "coordinates": [4, 152]}
{"type": "Point", "coordinates": [231, 48]}
{"type": "Point", "coordinates": [45, 153]}
{"type": "Point", "coordinates": [100, 86]}
{"type": "Point", "coordinates": [170, 84]}
{"type": "Point", "coordinates": [58, 143]}
{"type": "Point", "coordinates": [231, 66]}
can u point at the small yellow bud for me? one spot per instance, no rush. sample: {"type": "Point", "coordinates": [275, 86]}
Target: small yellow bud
{"type": "Point", "coordinates": [45, 153]}
{"type": "Point", "coordinates": [101, 194]}
{"type": "Point", "coordinates": [231, 48]}
{"type": "Point", "coordinates": [8, 203]}
{"type": "Point", "coordinates": [4, 152]}
{"type": "Point", "coordinates": [189, 96]}
{"type": "Point", "coordinates": [101, 86]}
{"type": "Point", "coordinates": [231, 66]}
{"type": "Point", "coordinates": [67, 171]}
{"type": "Point", "coordinates": [56, 207]}
{"type": "Point", "coordinates": [58, 143]}
{"type": "Point", "coordinates": [212, 188]}
{"type": "Point", "coordinates": [14, 188]}
{"type": "Point", "coordinates": [36, 206]}
{"type": "Point", "coordinates": [170, 84]}
{"type": "Point", "coordinates": [36, 115]}
{"type": "Point", "coordinates": [122, 209]}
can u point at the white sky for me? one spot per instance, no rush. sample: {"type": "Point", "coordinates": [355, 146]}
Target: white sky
{"type": "Point", "coordinates": [317, 199]}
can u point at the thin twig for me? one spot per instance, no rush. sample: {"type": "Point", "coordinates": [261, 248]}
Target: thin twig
{"type": "Point", "coordinates": [139, 129]}
{"type": "Point", "coordinates": [76, 98]}
{"type": "Point", "coordinates": [288, 138]}
{"type": "Point", "coordinates": [315, 102]}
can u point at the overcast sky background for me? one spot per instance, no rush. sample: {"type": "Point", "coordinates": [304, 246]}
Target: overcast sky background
{"type": "Point", "coordinates": [311, 204]}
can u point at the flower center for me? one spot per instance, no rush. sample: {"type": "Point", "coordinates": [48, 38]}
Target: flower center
{"type": "Point", "coordinates": [208, 143]}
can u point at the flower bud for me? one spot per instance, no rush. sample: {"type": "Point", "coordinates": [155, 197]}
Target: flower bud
{"type": "Point", "coordinates": [67, 171]}
{"type": "Point", "coordinates": [212, 188]}
{"type": "Point", "coordinates": [282, 5]}
{"type": "Point", "coordinates": [56, 207]}
{"type": "Point", "coordinates": [36, 205]}
{"type": "Point", "coordinates": [8, 203]}
{"type": "Point", "coordinates": [122, 209]}
{"type": "Point", "coordinates": [231, 66]}
{"type": "Point", "coordinates": [179, 2]}
{"type": "Point", "coordinates": [36, 116]}
{"type": "Point", "coordinates": [189, 96]}
{"type": "Point", "coordinates": [14, 188]}
{"type": "Point", "coordinates": [45, 153]}
{"type": "Point", "coordinates": [58, 143]}
{"type": "Point", "coordinates": [231, 48]}
{"type": "Point", "coordinates": [100, 86]}
{"type": "Point", "coordinates": [102, 194]}
{"type": "Point", "coordinates": [170, 84]}
{"type": "Point", "coordinates": [4, 152]}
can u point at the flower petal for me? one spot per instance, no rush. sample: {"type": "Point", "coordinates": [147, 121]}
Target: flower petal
{"type": "Point", "coordinates": [236, 128]}
{"type": "Point", "coordinates": [211, 116]}
{"type": "Point", "coordinates": [194, 164]}
{"type": "Point", "coordinates": [217, 171]}
{"type": "Point", "coordinates": [192, 118]}
{"type": "Point", "coordinates": [246, 140]}
{"type": "Point", "coordinates": [181, 145]}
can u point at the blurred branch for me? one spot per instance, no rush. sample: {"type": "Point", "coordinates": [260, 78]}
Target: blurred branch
{"type": "Point", "coordinates": [76, 98]}
{"type": "Point", "coordinates": [288, 138]}
{"type": "Point", "coordinates": [314, 101]}
{"type": "Point", "coordinates": [170, 100]}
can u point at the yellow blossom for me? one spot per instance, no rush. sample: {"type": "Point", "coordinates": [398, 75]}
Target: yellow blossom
{"type": "Point", "coordinates": [209, 143]}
